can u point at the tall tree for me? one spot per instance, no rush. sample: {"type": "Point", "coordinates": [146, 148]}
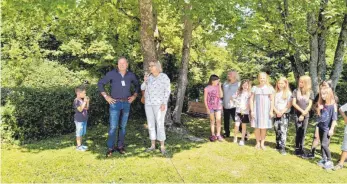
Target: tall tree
{"type": "Point", "coordinates": [322, 31]}
{"type": "Point", "coordinates": [183, 80]}
{"type": "Point", "coordinates": [147, 32]}
{"type": "Point", "coordinates": [339, 52]}
{"type": "Point", "coordinates": [296, 61]}
{"type": "Point", "coordinates": [312, 30]}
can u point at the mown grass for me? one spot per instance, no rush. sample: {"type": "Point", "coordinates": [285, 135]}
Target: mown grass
{"type": "Point", "coordinates": [56, 160]}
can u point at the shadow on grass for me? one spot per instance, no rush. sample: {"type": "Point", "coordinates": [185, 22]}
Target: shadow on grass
{"type": "Point", "coordinates": [137, 140]}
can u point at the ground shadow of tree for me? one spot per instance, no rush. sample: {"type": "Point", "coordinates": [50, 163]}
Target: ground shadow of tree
{"type": "Point", "coordinates": [137, 140]}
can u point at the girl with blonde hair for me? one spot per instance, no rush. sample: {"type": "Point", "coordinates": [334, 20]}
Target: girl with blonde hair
{"type": "Point", "coordinates": [282, 108]}
{"type": "Point", "coordinates": [327, 116]}
{"type": "Point", "coordinates": [262, 106]}
{"type": "Point", "coordinates": [302, 102]}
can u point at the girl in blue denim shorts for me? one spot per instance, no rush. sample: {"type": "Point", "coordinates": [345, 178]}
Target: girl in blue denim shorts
{"type": "Point", "coordinates": [213, 103]}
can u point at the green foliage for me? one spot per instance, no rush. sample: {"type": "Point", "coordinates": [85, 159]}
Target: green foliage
{"type": "Point", "coordinates": [42, 74]}
{"type": "Point", "coordinates": [37, 113]}
{"type": "Point", "coordinates": [49, 45]}
{"type": "Point", "coordinates": [341, 89]}
{"type": "Point", "coordinates": [32, 113]}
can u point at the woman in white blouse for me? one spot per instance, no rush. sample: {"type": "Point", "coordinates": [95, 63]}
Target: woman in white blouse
{"type": "Point", "coordinates": [157, 92]}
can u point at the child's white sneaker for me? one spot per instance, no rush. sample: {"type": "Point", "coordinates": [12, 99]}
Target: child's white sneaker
{"type": "Point", "coordinates": [328, 165]}
{"type": "Point", "coordinates": [84, 147]}
{"type": "Point", "coordinates": [241, 143]}
{"type": "Point", "coordinates": [80, 148]}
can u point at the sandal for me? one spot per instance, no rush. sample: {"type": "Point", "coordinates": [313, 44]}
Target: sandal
{"type": "Point", "coordinates": [163, 151]}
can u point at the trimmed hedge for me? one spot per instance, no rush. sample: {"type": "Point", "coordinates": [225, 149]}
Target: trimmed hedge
{"type": "Point", "coordinates": [33, 114]}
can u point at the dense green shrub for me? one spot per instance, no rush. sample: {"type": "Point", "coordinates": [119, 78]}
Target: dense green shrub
{"type": "Point", "coordinates": [32, 114]}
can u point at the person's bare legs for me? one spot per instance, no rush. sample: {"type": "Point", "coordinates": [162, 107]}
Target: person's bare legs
{"type": "Point", "coordinates": [243, 131]}
{"type": "Point", "coordinates": [343, 157]}
{"type": "Point", "coordinates": [79, 141]}
{"type": "Point", "coordinates": [257, 137]}
{"type": "Point", "coordinates": [162, 146]}
{"type": "Point", "coordinates": [262, 138]}
{"type": "Point", "coordinates": [218, 122]}
{"type": "Point", "coordinates": [212, 123]}
{"type": "Point", "coordinates": [152, 144]}
{"type": "Point", "coordinates": [236, 131]}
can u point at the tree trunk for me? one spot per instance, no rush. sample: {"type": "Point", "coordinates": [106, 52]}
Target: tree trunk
{"type": "Point", "coordinates": [147, 33]}
{"type": "Point", "coordinates": [183, 79]}
{"type": "Point", "coordinates": [322, 66]}
{"type": "Point", "coordinates": [312, 30]}
{"type": "Point", "coordinates": [339, 53]}
{"type": "Point", "coordinates": [296, 61]}
{"type": "Point", "coordinates": [150, 42]}
{"type": "Point", "coordinates": [157, 36]}
{"type": "Point", "coordinates": [296, 71]}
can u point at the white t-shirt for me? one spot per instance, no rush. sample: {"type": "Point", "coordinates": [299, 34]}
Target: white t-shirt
{"type": "Point", "coordinates": [281, 103]}
{"type": "Point", "coordinates": [242, 102]}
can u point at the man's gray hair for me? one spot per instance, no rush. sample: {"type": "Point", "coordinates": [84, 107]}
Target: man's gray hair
{"type": "Point", "coordinates": [122, 57]}
{"type": "Point", "coordinates": [236, 73]}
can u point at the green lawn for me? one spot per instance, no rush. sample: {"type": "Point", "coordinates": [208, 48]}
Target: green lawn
{"type": "Point", "coordinates": [56, 160]}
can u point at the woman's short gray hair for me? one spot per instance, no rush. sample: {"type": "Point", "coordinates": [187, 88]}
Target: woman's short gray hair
{"type": "Point", "coordinates": [158, 66]}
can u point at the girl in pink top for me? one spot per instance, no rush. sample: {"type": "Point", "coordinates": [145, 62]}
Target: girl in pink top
{"type": "Point", "coordinates": [212, 98]}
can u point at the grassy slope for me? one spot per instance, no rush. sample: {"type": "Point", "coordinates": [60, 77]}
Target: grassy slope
{"type": "Point", "coordinates": [55, 160]}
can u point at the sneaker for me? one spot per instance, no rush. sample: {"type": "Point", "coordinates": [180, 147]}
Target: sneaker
{"type": "Point", "coordinates": [213, 138]}
{"type": "Point", "coordinates": [163, 151]}
{"type": "Point", "coordinates": [220, 138]}
{"type": "Point", "coordinates": [80, 148]}
{"type": "Point", "coordinates": [84, 147]}
{"type": "Point", "coordinates": [299, 152]}
{"type": "Point", "coordinates": [283, 152]}
{"type": "Point", "coordinates": [337, 167]}
{"type": "Point", "coordinates": [328, 165]}
{"type": "Point", "coordinates": [235, 140]}
{"type": "Point", "coordinates": [308, 156]}
{"type": "Point", "coordinates": [241, 143]}
{"type": "Point", "coordinates": [321, 163]}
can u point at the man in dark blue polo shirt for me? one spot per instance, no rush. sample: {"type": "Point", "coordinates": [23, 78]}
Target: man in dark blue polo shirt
{"type": "Point", "coordinates": [119, 100]}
